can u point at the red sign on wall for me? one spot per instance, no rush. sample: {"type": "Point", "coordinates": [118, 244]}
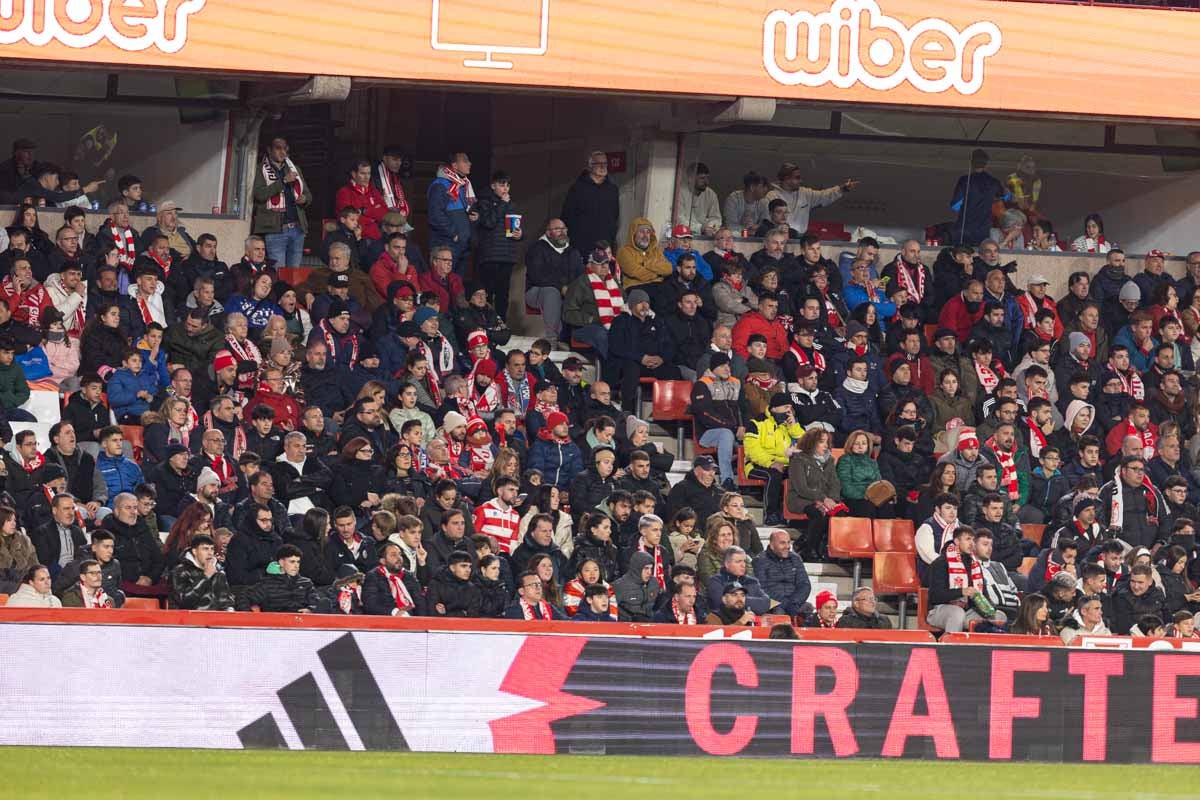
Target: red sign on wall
{"type": "Point", "coordinates": [616, 162]}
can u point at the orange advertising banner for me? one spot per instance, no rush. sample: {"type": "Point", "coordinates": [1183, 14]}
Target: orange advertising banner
{"type": "Point", "coordinates": [978, 54]}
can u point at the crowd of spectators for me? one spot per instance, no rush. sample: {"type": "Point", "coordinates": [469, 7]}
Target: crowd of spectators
{"type": "Point", "coordinates": [363, 442]}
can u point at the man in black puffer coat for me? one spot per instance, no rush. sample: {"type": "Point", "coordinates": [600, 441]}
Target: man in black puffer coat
{"type": "Point", "coordinates": [252, 549]}
{"type": "Point", "coordinates": [539, 540]}
{"type": "Point", "coordinates": [698, 490]}
{"type": "Point", "coordinates": [1136, 598]}
{"type": "Point", "coordinates": [197, 582]}
{"type": "Point", "coordinates": [283, 589]}
{"type": "Point", "coordinates": [451, 593]}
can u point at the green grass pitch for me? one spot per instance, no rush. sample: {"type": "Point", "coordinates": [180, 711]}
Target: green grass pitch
{"type": "Point", "coordinates": [97, 774]}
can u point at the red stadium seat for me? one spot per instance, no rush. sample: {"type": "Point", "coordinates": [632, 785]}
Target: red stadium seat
{"type": "Point", "coordinates": [896, 573]}
{"type": "Point", "coordinates": [788, 514]}
{"type": "Point", "coordinates": [3, 599]}
{"type": "Point", "coordinates": [670, 401]}
{"type": "Point", "coordinates": [894, 536]}
{"type": "Point", "coordinates": [1027, 565]}
{"type": "Point", "coordinates": [142, 603]}
{"type": "Point", "coordinates": [742, 480]}
{"type": "Point", "coordinates": [294, 276]}
{"type": "Point", "coordinates": [1033, 532]}
{"type": "Point", "coordinates": [134, 435]}
{"type": "Point", "coordinates": [850, 537]}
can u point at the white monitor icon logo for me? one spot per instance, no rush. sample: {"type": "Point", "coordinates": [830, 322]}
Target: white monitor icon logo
{"type": "Point", "coordinates": [439, 42]}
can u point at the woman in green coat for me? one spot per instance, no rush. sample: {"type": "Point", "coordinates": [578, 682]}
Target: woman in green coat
{"type": "Point", "coordinates": [949, 403]}
{"type": "Point", "coordinates": [856, 470]}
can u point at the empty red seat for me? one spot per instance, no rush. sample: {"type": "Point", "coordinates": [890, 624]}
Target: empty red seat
{"type": "Point", "coordinates": [896, 573]}
{"type": "Point", "coordinates": [895, 536]}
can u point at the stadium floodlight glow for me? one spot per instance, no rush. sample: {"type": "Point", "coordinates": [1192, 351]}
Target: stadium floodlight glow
{"type": "Point", "coordinates": [435, 40]}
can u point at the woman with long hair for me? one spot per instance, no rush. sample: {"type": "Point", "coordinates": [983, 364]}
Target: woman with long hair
{"type": "Point", "coordinates": [685, 542]}
{"type": "Point", "coordinates": [1033, 617]}
{"type": "Point", "coordinates": [257, 305]}
{"type": "Point", "coordinates": [588, 574]}
{"type": "Point", "coordinates": [719, 536]}
{"type": "Point", "coordinates": [102, 342]}
{"type": "Point", "coordinates": [406, 409]}
{"type": "Point", "coordinates": [169, 426]}
{"type": "Point", "coordinates": [62, 352]}
{"type": "Point", "coordinates": [1092, 240]}
{"type": "Point", "coordinates": [544, 499]}
{"type": "Point", "coordinates": [733, 508]}
{"type": "Point", "coordinates": [311, 536]}
{"type": "Point", "coordinates": [543, 566]}
{"type": "Point", "coordinates": [17, 553]}
{"type": "Point", "coordinates": [194, 519]}
{"type": "Point", "coordinates": [868, 315]}
{"type": "Point", "coordinates": [26, 219]}
{"type": "Point", "coordinates": [402, 476]}
{"type": "Point", "coordinates": [596, 543]}
{"type": "Point", "coordinates": [506, 464]}
{"type": "Point", "coordinates": [357, 479]}
{"type": "Point", "coordinates": [942, 480]}
{"type": "Point", "coordinates": [814, 489]}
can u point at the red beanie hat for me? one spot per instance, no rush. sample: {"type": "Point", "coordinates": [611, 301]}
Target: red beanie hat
{"type": "Point", "coordinates": [224, 360]}
{"type": "Point", "coordinates": [486, 367]}
{"type": "Point", "coordinates": [967, 438]}
{"type": "Point", "coordinates": [555, 419]}
{"type": "Point", "coordinates": [476, 338]}
{"type": "Point", "coordinates": [825, 597]}
{"type": "Point", "coordinates": [475, 424]}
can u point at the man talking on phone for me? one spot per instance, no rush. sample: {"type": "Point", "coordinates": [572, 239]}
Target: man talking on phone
{"type": "Point", "coordinates": [198, 583]}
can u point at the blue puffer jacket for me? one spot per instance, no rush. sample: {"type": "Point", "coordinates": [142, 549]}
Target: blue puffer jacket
{"type": "Point", "coordinates": [861, 410]}
{"type": "Point", "coordinates": [559, 462]}
{"type": "Point", "coordinates": [120, 474]}
{"type": "Point", "coordinates": [124, 386]}
{"type": "Point", "coordinates": [448, 221]}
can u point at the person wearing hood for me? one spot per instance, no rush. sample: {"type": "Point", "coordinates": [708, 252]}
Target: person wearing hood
{"type": "Point", "coordinates": [641, 257]}
{"type": "Point", "coordinates": [551, 264]}
{"type": "Point", "coordinates": [638, 589]}
{"type": "Point", "coordinates": [592, 207]}
{"type": "Point", "coordinates": [197, 582]}
{"type": "Point", "coordinates": [451, 592]}
{"type": "Point", "coordinates": [554, 454]}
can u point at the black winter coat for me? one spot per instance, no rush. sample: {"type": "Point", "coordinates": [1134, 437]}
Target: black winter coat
{"type": "Point", "coordinates": [192, 590]}
{"type": "Point", "coordinates": [337, 554]}
{"type": "Point", "coordinates": [280, 593]}
{"type": "Point", "coordinates": [591, 211]}
{"type": "Point", "coordinates": [314, 563]}
{"type": "Point", "coordinates": [545, 266]}
{"type": "Point", "coordinates": [102, 347]}
{"type": "Point", "coordinates": [249, 552]}
{"type": "Point", "coordinates": [1128, 608]}
{"type": "Point", "coordinates": [691, 493]}
{"type": "Point", "coordinates": [377, 594]}
{"type": "Point", "coordinates": [589, 490]}
{"type": "Point", "coordinates": [603, 553]}
{"type": "Point", "coordinates": [494, 244]}
{"type": "Point", "coordinates": [457, 598]}
{"type": "Point", "coordinates": [84, 418]}
{"type": "Point", "coordinates": [493, 597]}
{"type": "Point", "coordinates": [691, 336]}
{"type": "Point", "coordinates": [138, 550]}
{"type": "Point", "coordinates": [353, 479]}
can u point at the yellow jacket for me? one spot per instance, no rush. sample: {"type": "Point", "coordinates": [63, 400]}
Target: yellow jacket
{"type": "Point", "coordinates": [642, 266]}
{"type": "Point", "coordinates": [767, 440]}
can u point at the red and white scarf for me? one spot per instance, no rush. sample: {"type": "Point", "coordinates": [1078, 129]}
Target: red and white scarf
{"type": "Point", "coordinates": [659, 574]}
{"type": "Point", "coordinates": [1037, 438]}
{"type": "Point", "coordinates": [1093, 245]}
{"type": "Point", "coordinates": [444, 362]}
{"type": "Point", "coordinates": [239, 443]}
{"type": "Point", "coordinates": [486, 401]}
{"type": "Point", "coordinates": [1008, 466]}
{"type": "Point", "coordinates": [400, 594]}
{"type": "Point", "coordinates": [527, 609]}
{"type": "Point", "coordinates": [34, 463]}
{"type": "Point", "coordinates": [987, 376]}
{"type": "Point", "coordinates": [1149, 440]}
{"type": "Point", "coordinates": [346, 597]}
{"type": "Point", "coordinates": [460, 187]}
{"type": "Point", "coordinates": [545, 409]}
{"type": "Point", "coordinates": [270, 175]}
{"type": "Point", "coordinates": [392, 190]}
{"type": "Point", "coordinates": [680, 618]}
{"type": "Point", "coordinates": [1131, 382]}
{"type": "Point", "coordinates": [609, 301]}
{"type": "Point", "coordinates": [327, 335]}
{"type": "Point", "coordinates": [958, 571]}
{"type": "Point", "coordinates": [165, 266]}
{"type": "Point", "coordinates": [1117, 505]}
{"type": "Point", "coordinates": [831, 313]}
{"type": "Point", "coordinates": [98, 600]}
{"type": "Point", "coordinates": [803, 360]}
{"type": "Point", "coordinates": [245, 350]}
{"type": "Point", "coordinates": [916, 290]}
{"type": "Point", "coordinates": [148, 312]}
{"type": "Point", "coordinates": [126, 245]}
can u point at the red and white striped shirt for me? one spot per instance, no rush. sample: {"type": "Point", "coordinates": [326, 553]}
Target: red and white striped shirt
{"type": "Point", "coordinates": [500, 524]}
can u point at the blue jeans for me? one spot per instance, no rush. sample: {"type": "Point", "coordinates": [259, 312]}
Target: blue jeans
{"type": "Point", "coordinates": [724, 440]}
{"type": "Point", "coordinates": [286, 248]}
{"type": "Point", "coordinates": [594, 335]}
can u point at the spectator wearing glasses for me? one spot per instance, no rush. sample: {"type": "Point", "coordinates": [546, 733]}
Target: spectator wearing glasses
{"type": "Point", "coordinates": [530, 603]}
{"type": "Point", "coordinates": [1131, 506]}
{"type": "Point", "coordinates": [593, 205]}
